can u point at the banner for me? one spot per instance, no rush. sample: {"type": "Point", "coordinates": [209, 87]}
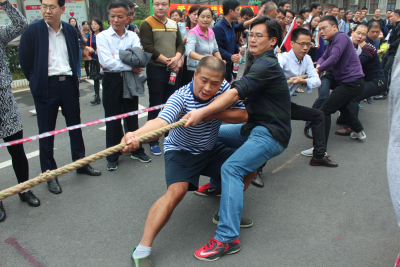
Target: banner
{"type": "Point", "coordinates": [73, 9]}
{"type": "Point", "coordinates": [215, 8]}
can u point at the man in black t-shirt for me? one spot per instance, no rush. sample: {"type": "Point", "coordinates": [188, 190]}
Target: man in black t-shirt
{"type": "Point", "coordinates": [377, 18]}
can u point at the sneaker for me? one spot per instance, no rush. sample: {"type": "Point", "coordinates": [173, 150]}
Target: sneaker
{"type": "Point", "coordinates": [142, 262]}
{"type": "Point", "coordinates": [309, 152]}
{"type": "Point", "coordinates": [208, 190]}
{"type": "Point", "coordinates": [360, 136]}
{"type": "Point", "coordinates": [112, 166]}
{"type": "Point", "coordinates": [215, 250]}
{"type": "Point", "coordinates": [369, 100]}
{"type": "Point", "coordinates": [33, 111]}
{"type": "Point", "coordinates": [244, 221]}
{"type": "Point", "coordinates": [141, 156]}
{"type": "Point", "coordinates": [155, 150]}
{"type": "Point", "coordinates": [360, 107]}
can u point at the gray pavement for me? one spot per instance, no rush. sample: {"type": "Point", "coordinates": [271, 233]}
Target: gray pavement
{"type": "Point", "coordinates": [305, 216]}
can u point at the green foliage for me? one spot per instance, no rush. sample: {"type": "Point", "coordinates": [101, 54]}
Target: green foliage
{"type": "Point", "coordinates": [12, 58]}
{"type": "Point", "coordinates": [105, 24]}
{"type": "Point", "coordinates": [142, 12]}
{"type": "Point", "coordinates": [17, 75]}
{"type": "Point", "coordinates": [137, 23]}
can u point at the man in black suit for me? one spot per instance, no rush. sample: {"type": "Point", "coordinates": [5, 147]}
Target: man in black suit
{"type": "Point", "coordinates": [48, 57]}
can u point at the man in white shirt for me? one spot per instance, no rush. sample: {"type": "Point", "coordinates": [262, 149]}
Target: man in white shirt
{"type": "Point", "coordinates": [296, 63]}
{"type": "Point", "coordinates": [48, 57]}
{"type": "Point", "coordinates": [109, 42]}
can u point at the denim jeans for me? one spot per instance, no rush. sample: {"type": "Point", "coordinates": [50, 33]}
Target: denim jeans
{"type": "Point", "coordinates": [252, 151]}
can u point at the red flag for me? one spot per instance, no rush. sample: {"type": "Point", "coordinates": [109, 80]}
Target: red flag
{"type": "Point", "coordinates": [286, 41]}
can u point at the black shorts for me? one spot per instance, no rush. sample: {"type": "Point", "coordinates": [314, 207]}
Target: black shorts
{"type": "Point", "coordinates": [183, 166]}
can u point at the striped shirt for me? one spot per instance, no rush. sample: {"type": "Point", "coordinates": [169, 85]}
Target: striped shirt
{"type": "Point", "coordinates": [197, 139]}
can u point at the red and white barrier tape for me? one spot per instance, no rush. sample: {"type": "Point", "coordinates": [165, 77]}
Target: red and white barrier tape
{"type": "Point", "coordinates": [55, 132]}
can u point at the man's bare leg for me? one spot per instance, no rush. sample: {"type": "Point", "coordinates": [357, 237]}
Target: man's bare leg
{"type": "Point", "coordinates": [161, 211]}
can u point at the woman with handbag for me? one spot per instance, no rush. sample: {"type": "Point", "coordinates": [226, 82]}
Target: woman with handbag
{"type": "Point", "coordinates": [85, 53]}
{"type": "Point", "coordinates": [96, 26]}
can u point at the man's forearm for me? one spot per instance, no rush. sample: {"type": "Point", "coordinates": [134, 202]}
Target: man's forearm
{"type": "Point", "coordinates": [222, 102]}
{"type": "Point", "coordinates": [162, 59]}
{"type": "Point", "coordinates": [233, 116]}
{"type": "Point", "coordinates": [151, 126]}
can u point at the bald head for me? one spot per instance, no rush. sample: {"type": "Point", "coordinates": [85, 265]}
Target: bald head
{"type": "Point", "coordinates": [270, 9]}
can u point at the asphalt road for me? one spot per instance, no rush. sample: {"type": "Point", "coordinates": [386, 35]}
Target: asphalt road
{"type": "Point", "coordinates": [305, 216]}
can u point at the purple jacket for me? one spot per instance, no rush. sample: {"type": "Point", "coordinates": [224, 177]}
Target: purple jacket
{"type": "Point", "coordinates": [341, 56]}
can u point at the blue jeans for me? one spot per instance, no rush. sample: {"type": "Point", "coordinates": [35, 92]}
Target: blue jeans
{"type": "Point", "coordinates": [252, 152]}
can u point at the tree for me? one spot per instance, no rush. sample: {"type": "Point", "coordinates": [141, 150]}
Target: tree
{"type": "Point", "coordinates": [142, 12]}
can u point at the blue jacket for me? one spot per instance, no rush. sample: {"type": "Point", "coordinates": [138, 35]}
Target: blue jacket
{"type": "Point", "coordinates": [34, 56]}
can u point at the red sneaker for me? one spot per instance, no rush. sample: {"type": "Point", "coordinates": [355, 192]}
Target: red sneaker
{"type": "Point", "coordinates": [208, 190]}
{"type": "Point", "coordinates": [215, 250]}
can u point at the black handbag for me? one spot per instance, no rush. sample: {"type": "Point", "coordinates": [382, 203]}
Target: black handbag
{"type": "Point", "coordinates": [95, 70]}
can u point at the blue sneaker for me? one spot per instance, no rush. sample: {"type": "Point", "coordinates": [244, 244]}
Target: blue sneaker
{"type": "Point", "coordinates": [155, 150]}
{"type": "Point", "coordinates": [359, 106]}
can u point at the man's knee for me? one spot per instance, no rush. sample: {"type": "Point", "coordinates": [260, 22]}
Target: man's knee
{"type": "Point", "coordinates": [176, 192]}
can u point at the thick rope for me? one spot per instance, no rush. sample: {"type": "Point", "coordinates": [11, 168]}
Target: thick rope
{"type": "Point", "coordinates": [48, 175]}
{"type": "Point", "coordinates": [290, 81]}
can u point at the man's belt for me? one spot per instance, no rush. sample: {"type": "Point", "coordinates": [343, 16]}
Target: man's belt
{"type": "Point", "coordinates": [113, 74]}
{"type": "Point", "coordinates": [60, 78]}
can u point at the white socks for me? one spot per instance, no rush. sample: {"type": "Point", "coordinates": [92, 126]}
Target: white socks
{"type": "Point", "coordinates": [141, 252]}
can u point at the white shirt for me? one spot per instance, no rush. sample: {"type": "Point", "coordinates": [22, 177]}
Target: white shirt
{"type": "Point", "coordinates": [58, 53]}
{"type": "Point", "coordinates": [108, 45]}
{"type": "Point", "coordinates": [293, 67]}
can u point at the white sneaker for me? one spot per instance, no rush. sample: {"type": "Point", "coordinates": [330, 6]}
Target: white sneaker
{"type": "Point", "coordinates": [33, 111]}
{"type": "Point", "coordinates": [309, 152]}
{"type": "Point", "coordinates": [360, 136]}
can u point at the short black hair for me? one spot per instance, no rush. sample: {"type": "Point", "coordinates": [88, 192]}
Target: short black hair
{"type": "Point", "coordinates": [61, 3]}
{"type": "Point", "coordinates": [331, 19]}
{"type": "Point", "coordinates": [304, 10]}
{"type": "Point", "coordinates": [120, 4]}
{"type": "Point", "coordinates": [281, 10]}
{"type": "Point", "coordinates": [213, 63]}
{"type": "Point", "coordinates": [397, 11]}
{"type": "Point", "coordinates": [334, 7]}
{"type": "Point", "coordinates": [364, 8]}
{"type": "Point", "coordinates": [176, 10]}
{"type": "Point", "coordinates": [283, 3]}
{"type": "Point", "coordinates": [389, 11]}
{"type": "Point", "coordinates": [374, 24]}
{"type": "Point", "coordinates": [291, 12]}
{"type": "Point", "coordinates": [314, 5]}
{"type": "Point", "coordinates": [98, 21]}
{"type": "Point", "coordinates": [228, 5]}
{"type": "Point", "coordinates": [273, 28]}
{"type": "Point", "coordinates": [83, 22]}
{"type": "Point", "coordinates": [296, 32]}
{"type": "Point", "coordinates": [300, 17]}
{"type": "Point", "coordinates": [246, 11]}
{"type": "Point", "coordinates": [128, 2]}
{"type": "Point", "coordinates": [341, 8]}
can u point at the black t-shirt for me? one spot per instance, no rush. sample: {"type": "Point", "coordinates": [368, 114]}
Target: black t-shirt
{"type": "Point", "coordinates": [354, 22]}
{"type": "Point", "coordinates": [371, 64]}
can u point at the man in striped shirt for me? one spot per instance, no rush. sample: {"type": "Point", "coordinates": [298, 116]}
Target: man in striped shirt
{"type": "Point", "coordinates": [189, 152]}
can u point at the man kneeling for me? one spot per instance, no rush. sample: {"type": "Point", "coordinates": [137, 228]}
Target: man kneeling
{"type": "Point", "coordinates": [189, 152]}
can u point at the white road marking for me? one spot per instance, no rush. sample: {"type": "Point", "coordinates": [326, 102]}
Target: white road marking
{"type": "Point", "coordinates": [29, 155]}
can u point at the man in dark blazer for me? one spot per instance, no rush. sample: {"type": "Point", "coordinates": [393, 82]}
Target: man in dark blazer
{"type": "Point", "coordinates": [48, 56]}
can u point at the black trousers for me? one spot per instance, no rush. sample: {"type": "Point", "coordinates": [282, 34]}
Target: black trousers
{"type": "Point", "coordinates": [61, 94]}
{"type": "Point", "coordinates": [228, 74]}
{"type": "Point", "coordinates": [371, 88]}
{"type": "Point", "coordinates": [317, 119]}
{"type": "Point", "coordinates": [18, 157]}
{"type": "Point", "coordinates": [87, 62]}
{"type": "Point", "coordinates": [327, 82]}
{"type": "Point", "coordinates": [114, 104]}
{"type": "Point", "coordinates": [159, 89]}
{"type": "Point", "coordinates": [339, 99]}
{"type": "Point", "coordinates": [387, 64]}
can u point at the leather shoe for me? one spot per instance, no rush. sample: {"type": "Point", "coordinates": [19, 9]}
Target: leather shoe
{"type": "Point", "coordinates": [54, 186]}
{"type": "Point", "coordinates": [325, 161]}
{"type": "Point", "coordinates": [308, 132]}
{"type": "Point", "coordinates": [3, 215]}
{"type": "Point", "coordinates": [89, 171]}
{"type": "Point", "coordinates": [257, 180]}
{"type": "Point", "coordinates": [346, 131]}
{"type": "Point", "coordinates": [29, 197]}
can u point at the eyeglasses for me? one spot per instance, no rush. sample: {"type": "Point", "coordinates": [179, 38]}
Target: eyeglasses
{"type": "Point", "coordinates": [50, 8]}
{"type": "Point", "coordinates": [257, 35]}
{"type": "Point", "coordinates": [280, 18]}
{"type": "Point", "coordinates": [289, 17]}
{"type": "Point", "coordinates": [304, 44]}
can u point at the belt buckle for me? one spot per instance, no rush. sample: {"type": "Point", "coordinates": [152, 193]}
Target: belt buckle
{"type": "Point", "coordinates": [61, 78]}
